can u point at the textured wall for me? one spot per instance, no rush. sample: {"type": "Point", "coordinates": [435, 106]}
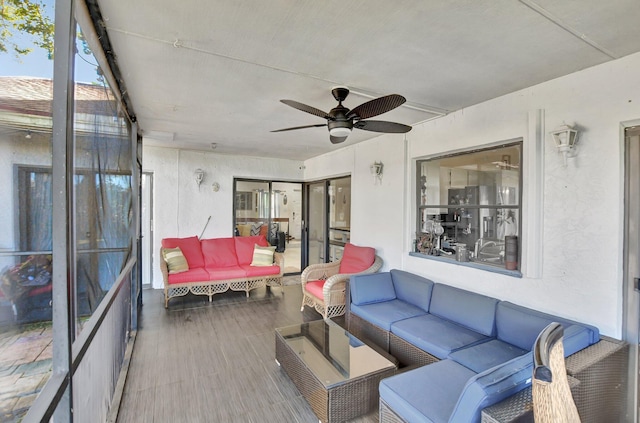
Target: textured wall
{"type": "Point", "coordinates": [581, 274]}
{"type": "Point", "coordinates": [181, 209]}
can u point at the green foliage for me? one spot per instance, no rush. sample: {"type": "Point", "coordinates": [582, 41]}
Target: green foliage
{"type": "Point", "coordinates": [24, 17]}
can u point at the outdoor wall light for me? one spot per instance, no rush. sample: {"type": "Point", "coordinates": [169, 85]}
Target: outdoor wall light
{"type": "Point", "coordinates": [198, 175]}
{"type": "Point", "coordinates": [376, 169]}
{"type": "Point", "coordinates": [565, 138]}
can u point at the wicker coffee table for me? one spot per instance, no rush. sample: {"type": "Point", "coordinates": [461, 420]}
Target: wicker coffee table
{"type": "Point", "coordinates": [336, 373]}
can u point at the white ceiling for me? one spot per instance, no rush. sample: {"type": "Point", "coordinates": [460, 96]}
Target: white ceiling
{"type": "Point", "coordinates": [201, 71]}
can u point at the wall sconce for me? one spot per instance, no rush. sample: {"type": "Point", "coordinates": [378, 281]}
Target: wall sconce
{"type": "Point", "coordinates": [215, 187]}
{"type": "Point", "coordinates": [565, 138]}
{"type": "Point", "coordinates": [376, 170]}
{"type": "Point", "coordinates": [284, 200]}
{"type": "Point", "coordinates": [198, 175]}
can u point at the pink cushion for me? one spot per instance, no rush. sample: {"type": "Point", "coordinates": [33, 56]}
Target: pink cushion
{"type": "Point", "coordinates": [219, 252]}
{"type": "Point", "coordinates": [192, 275]}
{"type": "Point", "coordinates": [260, 270]}
{"type": "Point", "coordinates": [224, 273]}
{"type": "Point", "coordinates": [356, 259]}
{"type": "Point", "coordinates": [190, 249]}
{"type": "Point", "coordinates": [244, 247]}
{"type": "Point", "coordinates": [315, 288]}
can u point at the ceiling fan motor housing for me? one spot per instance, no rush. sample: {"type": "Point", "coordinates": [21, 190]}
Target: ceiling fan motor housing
{"type": "Point", "coordinates": [340, 93]}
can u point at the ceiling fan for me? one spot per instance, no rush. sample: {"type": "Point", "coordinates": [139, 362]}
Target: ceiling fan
{"type": "Point", "coordinates": [341, 120]}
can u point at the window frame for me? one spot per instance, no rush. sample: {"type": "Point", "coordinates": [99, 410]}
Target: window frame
{"type": "Point", "coordinates": [518, 207]}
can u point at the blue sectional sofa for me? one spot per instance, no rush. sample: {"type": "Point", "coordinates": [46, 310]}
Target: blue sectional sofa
{"type": "Point", "coordinates": [464, 351]}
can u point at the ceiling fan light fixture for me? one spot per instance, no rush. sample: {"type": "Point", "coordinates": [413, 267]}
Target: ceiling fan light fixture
{"type": "Point", "coordinates": [340, 132]}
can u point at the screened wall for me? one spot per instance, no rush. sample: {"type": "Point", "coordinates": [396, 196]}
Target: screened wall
{"type": "Point", "coordinates": [68, 228]}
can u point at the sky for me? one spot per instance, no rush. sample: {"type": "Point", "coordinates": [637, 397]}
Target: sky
{"type": "Point", "coordinates": [38, 64]}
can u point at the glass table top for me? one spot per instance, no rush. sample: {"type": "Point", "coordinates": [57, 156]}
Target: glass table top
{"type": "Point", "coordinates": [331, 353]}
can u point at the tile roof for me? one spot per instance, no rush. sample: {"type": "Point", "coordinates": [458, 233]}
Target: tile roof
{"type": "Point", "coordinates": [33, 96]}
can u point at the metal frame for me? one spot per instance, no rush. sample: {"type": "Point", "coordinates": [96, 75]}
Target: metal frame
{"type": "Point", "coordinates": [631, 265]}
{"type": "Point", "coordinates": [56, 399]}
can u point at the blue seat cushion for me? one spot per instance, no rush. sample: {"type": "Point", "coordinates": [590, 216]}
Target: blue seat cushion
{"type": "Point", "coordinates": [426, 394]}
{"type": "Point", "coordinates": [412, 288]}
{"type": "Point", "coordinates": [520, 326]}
{"type": "Point", "coordinates": [371, 288]}
{"type": "Point", "coordinates": [492, 386]}
{"type": "Point", "coordinates": [486, 355]}
{"type": "Point", "coordinates": [435, 335]}
{"type": "Point", "coordinates": [474, 311]}
{"type": "Point", "coordinates": [385, 313]}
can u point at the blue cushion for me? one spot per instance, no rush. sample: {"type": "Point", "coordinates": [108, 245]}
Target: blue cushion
{"type": "Point", "coordinates": [412, 288]}
{"type": "Point", "coordinates": [426, 394]}
{"type": "Point", "coordinates": [490, 387]}
{"type": "Point", "coordinates": [486, 355]}
{"type": "Point", "coordinates": [520, 326]}
{"type": "Point", "coordinates": [435, 335]}
{"type": "Point", "coordinates": [474, 311]}
{"type": "Point", "coordinates": [385, 313]}
{"type": "Point", "coordinates": [371, 288]}
{"type": "Point", "coordinates": [576, 337]}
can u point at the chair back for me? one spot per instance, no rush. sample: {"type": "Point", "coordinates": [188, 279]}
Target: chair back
{"type": "Point", "coordinates": [552, 399]}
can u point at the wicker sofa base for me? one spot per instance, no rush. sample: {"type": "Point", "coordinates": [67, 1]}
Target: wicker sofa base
{"type": "Point", "coordinates": [210, 288]}
{"type": "Point", "coordinates": [600, 371]}
{"type": "Point", "coordinates": [362, 329]}
{"type": "Point", "coordinates": [386, 414]}
{"type": "Point", "coordinates": [408, 354]}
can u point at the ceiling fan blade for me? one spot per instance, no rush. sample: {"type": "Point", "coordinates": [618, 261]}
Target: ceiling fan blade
{"type": "Point", "coordinates": [336, 140]}
{"type": "Point", "coordinates": [376, 106]}
{"type": "Point", "coordinates": [382, 126]}
{"type": "Point", "coordinates": [305, 108]}
{"type": "Point", "coordinates": [300, 127]}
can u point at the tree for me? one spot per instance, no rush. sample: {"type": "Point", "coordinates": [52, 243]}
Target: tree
{"type": "Point", "coordinates": [24, 17]}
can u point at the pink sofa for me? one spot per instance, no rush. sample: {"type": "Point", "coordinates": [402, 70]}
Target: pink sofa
{"type": "Point", "coordinates": [217, 265]}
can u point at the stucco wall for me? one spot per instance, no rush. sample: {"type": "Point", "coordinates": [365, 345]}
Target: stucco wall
{"type": "Point", "coordinates": [16, 150]}
{"type": "Point", "coordinates": [581, 274]}
{"type": "Point", "coordinates": [181, 209]}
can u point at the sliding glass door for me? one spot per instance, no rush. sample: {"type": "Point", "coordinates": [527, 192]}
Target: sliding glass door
{"type": "Point", "coordinates": [316, 228]}
{"type": "Point", "coordinates": [328, 219]}
{"type": "Point", "coordinates": [272, 209]}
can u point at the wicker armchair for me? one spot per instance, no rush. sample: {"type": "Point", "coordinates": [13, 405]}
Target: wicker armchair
{"type": "Point", "coordinates": [323, 286]}
{"type": "Point", "coordinates": [552, 399]}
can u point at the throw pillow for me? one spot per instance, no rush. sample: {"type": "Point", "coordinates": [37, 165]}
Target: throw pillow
{"type": "Point", "coordinates": [255, 228]}
{"type": "Point", "coordinates": [244, 229]}
{"type": "Point", "coordinates": [262, 256]}
{"type": "Point", "coordinates": [176, 262]}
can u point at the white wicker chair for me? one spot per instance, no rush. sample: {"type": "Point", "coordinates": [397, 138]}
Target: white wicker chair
{"type": "Point", "coordinates": [333, 301]}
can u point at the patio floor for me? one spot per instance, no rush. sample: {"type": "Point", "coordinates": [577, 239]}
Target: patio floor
{"type": "Point", "coordinates": [25, 367]}
{"type": "Point", "coordinates": [26, 363]}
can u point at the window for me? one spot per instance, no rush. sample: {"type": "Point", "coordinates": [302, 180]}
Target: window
{"type": "Point", "coordinates": [244, 200]}
{"type": "Point", "coordinates": [469, 207]}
